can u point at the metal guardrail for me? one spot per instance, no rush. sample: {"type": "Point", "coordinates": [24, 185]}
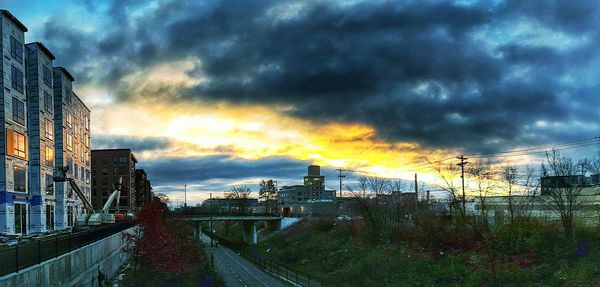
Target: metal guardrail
{"type": "Point", "coordinates": [14, 258]}
{"type": "Point", "coordinates": [274, 268]}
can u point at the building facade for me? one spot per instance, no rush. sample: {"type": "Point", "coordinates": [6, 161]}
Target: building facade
{"type": "Point", "coordinates": [40, 124]}
{"type": "Point", "coordinates": [15, 200]}
{"type": "Point", "coordinates": [310, 198]}
{"type": "Point", "coordinates": [45, 125]}
{"type": "Point", "coordinates": [108, 166]}
{"type": "Point", "coordinates": [72, 144]}
{"type": "Point", "coordinates": [143, 189]}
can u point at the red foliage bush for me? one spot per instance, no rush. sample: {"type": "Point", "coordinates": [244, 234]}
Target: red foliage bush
{"type": "Point", "coordinates": [164, 245]}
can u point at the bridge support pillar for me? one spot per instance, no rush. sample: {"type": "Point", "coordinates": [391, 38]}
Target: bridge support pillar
{"type": "Point", "coordinates": [197, 229]}
{"type": "Point", "coordinates": [249, 232]}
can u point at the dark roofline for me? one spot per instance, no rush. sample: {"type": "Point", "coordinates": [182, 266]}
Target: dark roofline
{"type": "Point", "coordinates": [117, 149]}
{"type": "Point", "coordinates": [81, 101]}
{"type": "Point", "coordinates": [44, 49]}
{"type": "Point", "coordinates": [14, 19]}
{"type": "Point", "coordinates": [66, 73]}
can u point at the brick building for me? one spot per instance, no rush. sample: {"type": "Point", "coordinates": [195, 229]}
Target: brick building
{"type": "Point", "coordinates": [108, 165]}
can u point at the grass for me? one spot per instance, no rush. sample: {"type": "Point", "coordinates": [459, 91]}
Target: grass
{"type": "Point", "coordinates": [527, 255]}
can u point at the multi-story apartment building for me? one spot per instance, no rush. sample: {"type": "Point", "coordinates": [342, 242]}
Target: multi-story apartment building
{"type": "Point", "coordinates": [14, 197]}
{"type": "Point", "coordinates": [40, 110]}
{"type": "Point", "coordinates": [45, 125]}
{"type": "Point", "coordinates": [72, 143]}
{"type": "Point", "coordinates": [143, 189]}
{"type": "Point", "coordinates": [108, 165]}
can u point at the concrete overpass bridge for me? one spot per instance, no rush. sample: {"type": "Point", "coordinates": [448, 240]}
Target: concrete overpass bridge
{"type": "Point", "coordinates": [248, 221]}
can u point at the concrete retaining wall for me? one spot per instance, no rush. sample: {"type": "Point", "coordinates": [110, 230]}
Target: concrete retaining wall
{"type": "Point", "coordinates": [77, 268]}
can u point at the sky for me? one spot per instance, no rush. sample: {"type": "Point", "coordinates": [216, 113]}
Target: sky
{"type": "Point", "coordinates": [216, 94]}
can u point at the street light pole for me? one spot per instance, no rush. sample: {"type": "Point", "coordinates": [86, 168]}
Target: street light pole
{"type": "Point", "coordinates": [185, 195]}
{"type": "Point", "coordinates": [210, 222]}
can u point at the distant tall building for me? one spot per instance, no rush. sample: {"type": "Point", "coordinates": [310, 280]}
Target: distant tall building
{"type": "Point", "coordinates": [14, 197]}
{"type": "Point", "coordinates": [108, 165]}
{"type": "Point", "coordinates": [143, 189]}
{"type": "Point", "coordinates": [307, 198]}
{"type": "Point", "coordinates": [40, 108]}
{"type": "Point", "coordinates": [72, 142]}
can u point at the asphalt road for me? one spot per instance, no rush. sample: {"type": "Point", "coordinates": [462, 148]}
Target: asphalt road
{"type": "Point", "coordinates": [237, 271]}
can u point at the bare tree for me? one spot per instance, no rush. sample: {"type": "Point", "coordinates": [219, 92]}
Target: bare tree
{"type": "Point", "coordinates": [449, 175]}
{"type": "Point", "coordinates": [562, 188]}
{"type": "Point", "coordinates": [381, 203]}
{"type": "Point", "coordinates": [268, 193]}
{"type": "Point", "coordinates": [241, 196]}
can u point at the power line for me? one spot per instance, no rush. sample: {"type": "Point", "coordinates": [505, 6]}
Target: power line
{"type": "Point", "coordinates": [533, 150]}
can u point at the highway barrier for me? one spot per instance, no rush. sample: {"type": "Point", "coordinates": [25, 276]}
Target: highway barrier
{"type": "Point", "coordinates": [35, 250]}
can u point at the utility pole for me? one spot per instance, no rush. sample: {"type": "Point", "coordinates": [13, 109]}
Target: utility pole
{"type": "Point", "coordinates": [185, 195]}
{"type": "Point", "coordinates": [210, 222]}
{"type": "Point", "coordinates": [463, 162]}
{"type": "Point", "coordinates": [340, 176]}
{"type": "Point", "coordinates": [416, 185]}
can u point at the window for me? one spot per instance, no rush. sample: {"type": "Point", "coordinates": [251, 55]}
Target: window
{"type": "Point", "coordinates": [49, 217]}
{"type": "Point", "coordinates": [19, 145]}
{"type": "Point", "coordinates": [49, 185]}
{"type": "Point", "coordinates": [48, 101]}
{"type": "Point", "coordinates": [68, 95]}
{"type": "Point", "coordinates": [75, 130]}
{"type": "Point", "coordinates": [47, 76]}
{"type": "Point", "coordinates": [48, 129]}
{"type": "Point", "coordinates": [16, 49]}
{"type": "Point", "coordinates": [70, 164]}
{"type": "Point", "coordinates": [86, 122]}
{"type": "Point", "coordinates": [69, 119]}
{"type": "Point", "coordinates": [76, 169]}
{"type": "Point", "coordinates": [18, 109]}
{"type": "Point", "coordinates": [104, 171]}
{"type": "Point", "coordinates": [19, 179]}
{"type": "Point", "coordinates": [69, 142]}
{"type": "Point", "coordinates": [49, 156]}
{"type": "Point", "coordinates": [86, 138]}
{"type": "Point", "coordinates": [123, 159]}
{"type": "Point", "coordinates": [76, 150]}
{"type": "Point", "coordinates": [16, 78]}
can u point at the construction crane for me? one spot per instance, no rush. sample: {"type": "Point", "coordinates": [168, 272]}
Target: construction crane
{"type": "Point", "coordinates": [60, 175]}
{"type": "Point", "coordinates": [104, 216]}
{"type": "Point", "coordinates": [92, 217]}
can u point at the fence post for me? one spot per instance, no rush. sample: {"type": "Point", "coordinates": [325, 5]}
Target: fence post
{"type": "Point", "coordinates": [39, 251]}
{"type": "Point", "coordinates": [17, 257]}
{"type": "Point", "coordinates": [56, 246]}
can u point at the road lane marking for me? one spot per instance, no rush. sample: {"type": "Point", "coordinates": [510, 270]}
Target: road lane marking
{"type": "Point", "coordinates": [229, 255]}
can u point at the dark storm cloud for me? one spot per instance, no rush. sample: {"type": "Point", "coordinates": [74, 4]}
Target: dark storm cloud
{"type": "Point", "coordinates": [136, 144]}
{"type": "Point", "coordinates": [414, 71]}
{"type": "Point", "coordinates": [170, 171]}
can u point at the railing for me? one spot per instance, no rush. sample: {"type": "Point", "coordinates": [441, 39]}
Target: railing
{"type": "Point", "coordinates": [283, 272]}
{"type": "Point", "coordinates": [14, 258]}
{"type": "Point", "coordinates": [276, 269]}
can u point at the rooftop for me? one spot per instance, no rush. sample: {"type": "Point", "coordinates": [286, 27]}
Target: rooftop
{"type": "Point", "coordinates": [43, 48]}
{"type": "Point", "coordinates": [65, 72]}
{"type": "Point", "coordinates": [14, 20]}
